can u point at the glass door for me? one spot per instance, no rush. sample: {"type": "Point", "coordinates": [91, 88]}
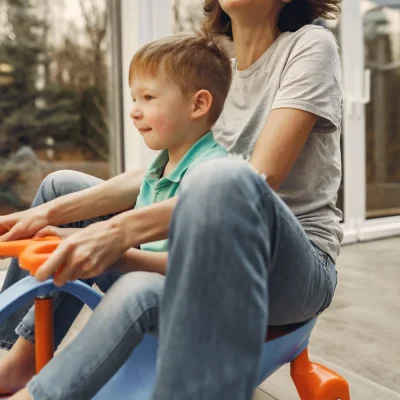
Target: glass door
{"type": "Point", "coordinates": [381, 22]}
{"type": "Point", "coordinates": [381, 53]}
{"type": "Point", "coordinates": [56, 63]}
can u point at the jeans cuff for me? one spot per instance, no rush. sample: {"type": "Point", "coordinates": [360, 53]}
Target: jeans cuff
{"type": "Point", "coordinates": [25, 332]}
{"type": "Point", "coordinates": [5, 345]}
{"type": "Point", "coordinates": [36, 391]}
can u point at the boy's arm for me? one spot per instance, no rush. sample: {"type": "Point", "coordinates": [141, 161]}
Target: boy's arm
{"type": "Point", "coordinates": [114, 195]}
{"type": "Point", "coordinates": [141, 260]}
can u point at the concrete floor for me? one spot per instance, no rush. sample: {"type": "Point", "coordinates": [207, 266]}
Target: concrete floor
{"type": "Point", "coordinates": [358, 336]}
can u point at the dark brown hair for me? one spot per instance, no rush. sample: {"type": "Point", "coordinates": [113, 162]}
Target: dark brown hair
{"type": "Point", "coordinates": [194, 62]}
{"type": "Point", "coordinates": [294, 15]}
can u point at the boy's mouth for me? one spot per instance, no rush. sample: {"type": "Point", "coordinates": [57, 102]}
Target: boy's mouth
{"type": "Point", "coordinates": [144, 130]}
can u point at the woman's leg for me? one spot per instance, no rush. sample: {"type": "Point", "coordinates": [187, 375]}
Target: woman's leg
{"type": "Point", "coordinates": [238, 260]}
{"type": "Point", "coordinates": [116, 327]}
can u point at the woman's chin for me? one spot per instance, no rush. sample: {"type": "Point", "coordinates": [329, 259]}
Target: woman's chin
{"type": "Point", "coordinates": [231, 5]}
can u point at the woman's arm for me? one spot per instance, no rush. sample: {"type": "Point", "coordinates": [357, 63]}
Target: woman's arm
{"type": "Point", "coordinates": [280, 143]}
{"type": "Point", "coordinates": [141, 260]}
{"type": "Point", "coordinates": [310, 88]}
{"type": "Point", "coordinates": [114, 195]}
{"type": "Point", "coordinates": [146, 224]}
{"type": "Point", "coordinates": [92, 250]}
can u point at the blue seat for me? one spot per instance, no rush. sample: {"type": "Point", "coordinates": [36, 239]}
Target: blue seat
{"type": "Point", "coordinates": [135, 379]}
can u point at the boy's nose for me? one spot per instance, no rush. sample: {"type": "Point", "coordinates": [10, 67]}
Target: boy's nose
{"type": "Point", "coordinates": [135, 112]}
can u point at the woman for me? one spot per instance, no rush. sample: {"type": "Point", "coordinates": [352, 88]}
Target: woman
{"type": "Point", "coordinates": [245, 251]}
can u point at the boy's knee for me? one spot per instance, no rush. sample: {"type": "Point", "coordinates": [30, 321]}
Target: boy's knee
{"type": "Point", "coordinates": [59, 183]}
{"type": "Point", "coordinates": [139, 287]}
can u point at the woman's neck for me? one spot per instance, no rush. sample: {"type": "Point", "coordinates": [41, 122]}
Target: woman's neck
{"type": "Point", "coordinates": [252, 40]}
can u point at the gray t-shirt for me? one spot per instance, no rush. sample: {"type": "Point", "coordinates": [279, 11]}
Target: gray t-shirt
{"type": "Point", "coordinates": [300, 70]}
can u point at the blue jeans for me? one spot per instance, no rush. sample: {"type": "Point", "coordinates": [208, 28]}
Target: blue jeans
{"type": "Point", "coordinates": [128, 310]}
{"type": "Point", "coordinates": [239, 260]}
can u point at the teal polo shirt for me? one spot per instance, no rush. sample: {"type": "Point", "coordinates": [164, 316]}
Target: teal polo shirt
{"type": "Point", "coordinates": [156, 188]}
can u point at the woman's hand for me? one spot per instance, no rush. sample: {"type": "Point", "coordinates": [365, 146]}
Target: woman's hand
{"type": "Point", "coordinates": [84, 254]}
{"type": "Point", "coordinates": [50, 230]}
{"type": "Point", "coordinates": [22, 224]}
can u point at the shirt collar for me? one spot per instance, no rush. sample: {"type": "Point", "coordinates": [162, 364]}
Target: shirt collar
{"type": "Point", "coordinates": [154, 172]}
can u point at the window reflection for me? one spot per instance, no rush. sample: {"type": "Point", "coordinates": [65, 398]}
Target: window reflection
{"type": "Point", "coordinates": [381, 20]}
{"type": "Point", "coordinates": [53, 93]}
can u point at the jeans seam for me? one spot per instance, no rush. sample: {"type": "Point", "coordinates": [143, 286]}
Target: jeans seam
{"type": "Point", "coordinates": [283, 215]}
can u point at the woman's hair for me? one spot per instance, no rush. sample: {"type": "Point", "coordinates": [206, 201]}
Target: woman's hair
{"type": "Point", "coordinates": [294, 15]}
{"type": "Point", "coordinates": [194, 62]}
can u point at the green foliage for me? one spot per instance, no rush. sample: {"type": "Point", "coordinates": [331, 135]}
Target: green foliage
{"type": "Point", "coordinates": [67, 111]}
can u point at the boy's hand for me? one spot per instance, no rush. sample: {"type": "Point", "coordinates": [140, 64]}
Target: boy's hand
{"type": "Point", "coordinates": [22, 224]}
{"type": "Point", "coordinates": [50, 230]}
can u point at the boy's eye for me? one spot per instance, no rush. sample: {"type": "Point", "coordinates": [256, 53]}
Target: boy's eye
{"type": "Point", "coordinates": [147, 97]}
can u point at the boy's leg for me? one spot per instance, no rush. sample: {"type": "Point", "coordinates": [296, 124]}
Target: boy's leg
{"type": "Point", "coordinates": [116, 327]}
{"type": "Point", "coordinates": [17, 367]}
{"type": "Point", "coordinates": [53, 186]}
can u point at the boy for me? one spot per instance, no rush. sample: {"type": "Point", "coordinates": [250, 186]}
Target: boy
{"type": "Point", "coordinates": [179, 85]}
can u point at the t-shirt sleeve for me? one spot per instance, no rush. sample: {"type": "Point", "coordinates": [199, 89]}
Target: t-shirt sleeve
{"type": "Point", "coordinates": [312, 79]}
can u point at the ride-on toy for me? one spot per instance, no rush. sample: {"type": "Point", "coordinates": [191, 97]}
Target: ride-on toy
{"type": "Point", "coordinates": [135, 379]}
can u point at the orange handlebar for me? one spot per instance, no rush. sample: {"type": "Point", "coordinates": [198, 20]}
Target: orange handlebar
{"type": "Point", "coordinates": [32, 253]}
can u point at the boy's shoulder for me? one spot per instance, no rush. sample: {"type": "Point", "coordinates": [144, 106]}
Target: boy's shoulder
{"type": "Point", "coordinates": [217, 151]}
{"type": "Point", "coordinates": [214, 152]}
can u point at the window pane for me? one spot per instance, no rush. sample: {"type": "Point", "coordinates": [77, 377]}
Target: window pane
{"type": "Point", "coordinates": [382, 57]}
{"type": "Point", "coordinates": [54, 64]}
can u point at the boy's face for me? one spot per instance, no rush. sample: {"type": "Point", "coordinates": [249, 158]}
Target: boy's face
{"type": "Point", "coordinates": [160, 111]}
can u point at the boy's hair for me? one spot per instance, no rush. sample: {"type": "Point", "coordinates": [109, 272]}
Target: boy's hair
{"type": "Point", "coordinates": [194, 62]}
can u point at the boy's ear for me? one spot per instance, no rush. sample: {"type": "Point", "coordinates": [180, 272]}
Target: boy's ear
{"type": "Point", "coordinates": [202, 102]}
